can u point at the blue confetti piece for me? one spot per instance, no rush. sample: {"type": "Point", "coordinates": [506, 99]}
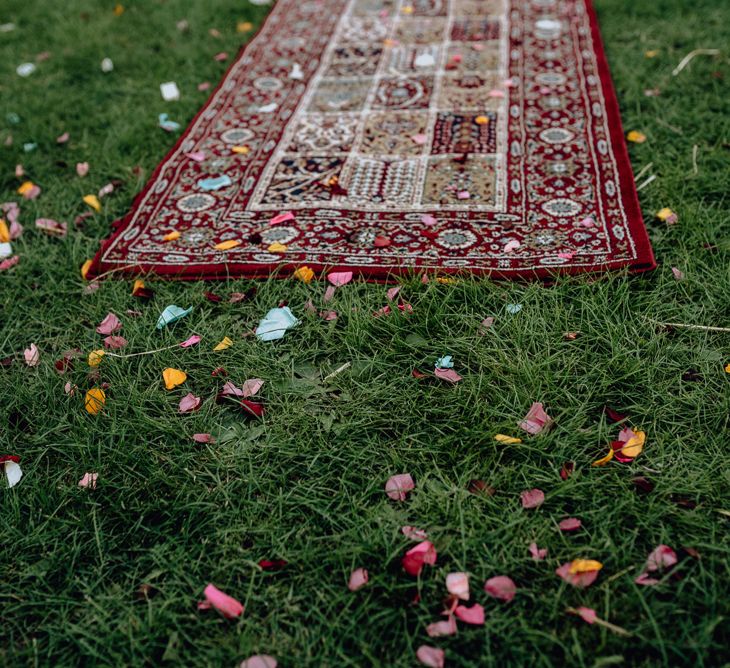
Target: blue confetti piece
{"type": "Point", "coordinates": [30, 146]}
{"type": "Point", "coordinates": [514, 309]}
{"type": "Point", "coordinates": [275, 323]}
{"type": "Point", "coordinates": [172, 314]}
{"type": "Point", "coordinates": [445, 362]}
{"type": "Point", "coordinates": [216, 183]}
{"type": "Point", "coordinates": [167, 124]}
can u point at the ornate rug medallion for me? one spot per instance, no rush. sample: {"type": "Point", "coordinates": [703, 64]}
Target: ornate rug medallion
{"type": "Point", "coordinates": [392, 136]}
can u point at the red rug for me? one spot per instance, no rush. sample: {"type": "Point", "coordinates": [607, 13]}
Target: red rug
{"type": "Point", "coordinates": [393, 136]}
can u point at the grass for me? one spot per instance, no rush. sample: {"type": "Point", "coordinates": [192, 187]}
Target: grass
{"type": "Point", "coordinates": [305, 484]}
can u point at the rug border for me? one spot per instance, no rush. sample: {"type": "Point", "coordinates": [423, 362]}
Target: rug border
{"type": "Point", "coordinates": [645, 260]}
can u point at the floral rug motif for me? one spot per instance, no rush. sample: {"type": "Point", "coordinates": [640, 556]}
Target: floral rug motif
{"type": "Point", "coordinates": [395, 136]}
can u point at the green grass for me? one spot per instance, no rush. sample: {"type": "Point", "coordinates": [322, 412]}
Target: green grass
{"type": "Point", "coordinates": [305, 484]}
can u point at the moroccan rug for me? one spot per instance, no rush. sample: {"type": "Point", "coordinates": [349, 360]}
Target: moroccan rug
{"type": "Point", "coordinates": [393, 136]}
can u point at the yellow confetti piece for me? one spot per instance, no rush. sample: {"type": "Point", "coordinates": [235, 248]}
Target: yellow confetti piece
{"type": "Point", "coordinates": [118, 10]}
{"type": "Point", "coordinates": [276, 247]}
{"type": "Point", "coordinates": [584, 566]}
{"type": "Point", "coordinates": [604, 460]}
{"type": "Point", "coordinates": [93, 202]}
{"type": "Point", "coordinates": [304, 274]}
{"type": "Point", "coordinates": [636, 137]}
{"type": "Point", "coordinates": [173, 378]}
{"type": "Point", "coordinates": [407, 9]}
{"type": "Point", "coordinates": [227, 245]}
{"type": "Point", "coordinates": [727, 369]}
{"type": "Point", "coordinates": [224, 344]}
{"type": "Point", "coordinates": [138, 285]}
{"type": "Point", "coordinates": [444, 280]}
{"type": "Point", "coordinates": [95, 400]}
{"type": "Point", "coordinates": [171, 236]}
{"type": "Point", "coordinates": [635, 445]}
{"type": "Point", "coordinates": [481, 120]}
{"type": "Point", "coordinates": [95, 357]}
{"type": "Point", "coordinates": [241, 150]}
{"type": "Point", "coordinates": [668, 216]}
{"type": "Point", "coordinates": [25, 187]}
{"type": "Point", "coordinates": [653, 53]}
{"type": "Point", "coordinates": [507, 440]}
{"type": "Point", "coordinates": [244, 26]}
{"type": "Point", "coordinates": [85, 269]}
{"type": "Point", "coordinates": [4, 232]}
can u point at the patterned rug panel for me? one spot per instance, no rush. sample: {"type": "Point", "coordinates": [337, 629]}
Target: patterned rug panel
{"type": "Point", "coordinates": [390, 136]}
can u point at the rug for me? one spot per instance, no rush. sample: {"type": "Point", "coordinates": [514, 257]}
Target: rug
{"type": "Point", "coordinates": [392, 136]}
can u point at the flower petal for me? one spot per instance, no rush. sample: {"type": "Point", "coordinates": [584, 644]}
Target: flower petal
{"type": "Point", "coordinates": [660, 558]}
{"type": "Point", "coordinates": [532, 498]}
{"type": "Point", "coordinates": [473, 615]}
{"type": "Point", "coordinates": [501, 587]}
{"type": "Point", "coordinates": [432, 657]}
{"type": "Point", "coordinates": [173, 378]}
{"type": "Point", "coordinates": [445, 627]}
{"type": "Point", "coordinates": [32, 355]}
{"type": "Point", "coordinates": [536, 419]}
{"type": "Point", "coordinates": [259, 661]}
{"type": "Point", "coordinates": [398, 486]}
{"type": "Point", "coordinates": [458, 585]}
{"type": "Point", "coordinates": [189, 403]}
{"type": "Point", "coordinates": [538, 553]}
{"type": "Point", "coordinates": [339, 278]}
{"type": "Point", "coordinates": [358, 579]}
{"type": "Point", "coordinates": [422, 554]}
{"type": "Point", "coordinates": [228, 606]}
{"type": "Point", "coordinates": [570, 524]}
{"type": "Point", "coordinates": [89, 480]}
{"type": "Point", "coordinates": [95, 400]}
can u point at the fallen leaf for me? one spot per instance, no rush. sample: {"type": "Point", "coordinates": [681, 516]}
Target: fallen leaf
{"type": "Point", "coordinates": [228, 606]}
{"type": "Point", "coordinates": [272, 565]}
{"type": "Point", "coordinates": [536, 419]}
{"type": "Point", "coordinates": [95, 400]}
{"type": "Point", "coordinates": [109, 325]}
{"type": "Point", "coordinates": [501, 587]}
{"type": "Point", "coordinates": [89, 480]}
{"type": "Point", "coordinates": [432, 657]}
{"type": "Point", "coordinates": [189, 403]}
{"type": "Point", "coordinates": [173, 378]}
{"type": "Point", "coordinates": [358, 579]}
{"type": "Point", "coordinates": [398, 486]}
{"type": "Point", "coordinates": [458, 585]}
{"type": "Point", "coordinates": [532, 498]}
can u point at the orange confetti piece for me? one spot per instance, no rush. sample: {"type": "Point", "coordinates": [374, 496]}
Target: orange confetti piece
{"type": "Point", "coordinates": [171, 236]}
{"type": "Point", "coordinates": [227, 245]}
{"type": "Point", "coordinates": [507, 440]}
{"type": "Point", "coordinates": [26, 187]}
{"type": "Point", "coordinates": [224, 344]}
{"type": "Point", "coordinates": [241, 150]}
{"type": "Point", "coordinates": [4, 232]}
{"type": "Point", "coordinates": [304, 274]}
{"type": "Point", "coordinates": [276, 247]}
{"type": "Point", "coordinates": [481, 120]}
{"type": "Point", "coordinates": [93, 202]}
{"type": "Point", "coordinates": [173, 378]}
{"type": "Point", "coordinates": [95, 400]}
{"type": "Point", "coordinates": [85, 268]}
{"type": "Point", "coordinates": [244, 26]}
{"type": "Point", "coordinates": [138, 285]}
{"type": "Point", "coordinates": [636, 137]}
{"type": "Point", "coordinates": [584, 566]}
{"type": "Point", "coordinates": [95, 357]}
{"type": "Point", "coordinates": [667, 216]}
{"type": "Point", "coordinates": [604, 460]}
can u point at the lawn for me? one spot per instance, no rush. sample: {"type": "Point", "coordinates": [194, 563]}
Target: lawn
{"type": "Point", "coordinates": [111, 576]}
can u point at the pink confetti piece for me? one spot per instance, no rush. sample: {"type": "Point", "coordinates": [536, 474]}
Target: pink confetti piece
{"type": "Point", "coordinates": [196, 156]}
{"type": "Point", "coordinates": [194, 340]}
{"type": "Point", "coordinates": [282, 218]}
{"type": "Point", "coordinates": [228, 606]}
